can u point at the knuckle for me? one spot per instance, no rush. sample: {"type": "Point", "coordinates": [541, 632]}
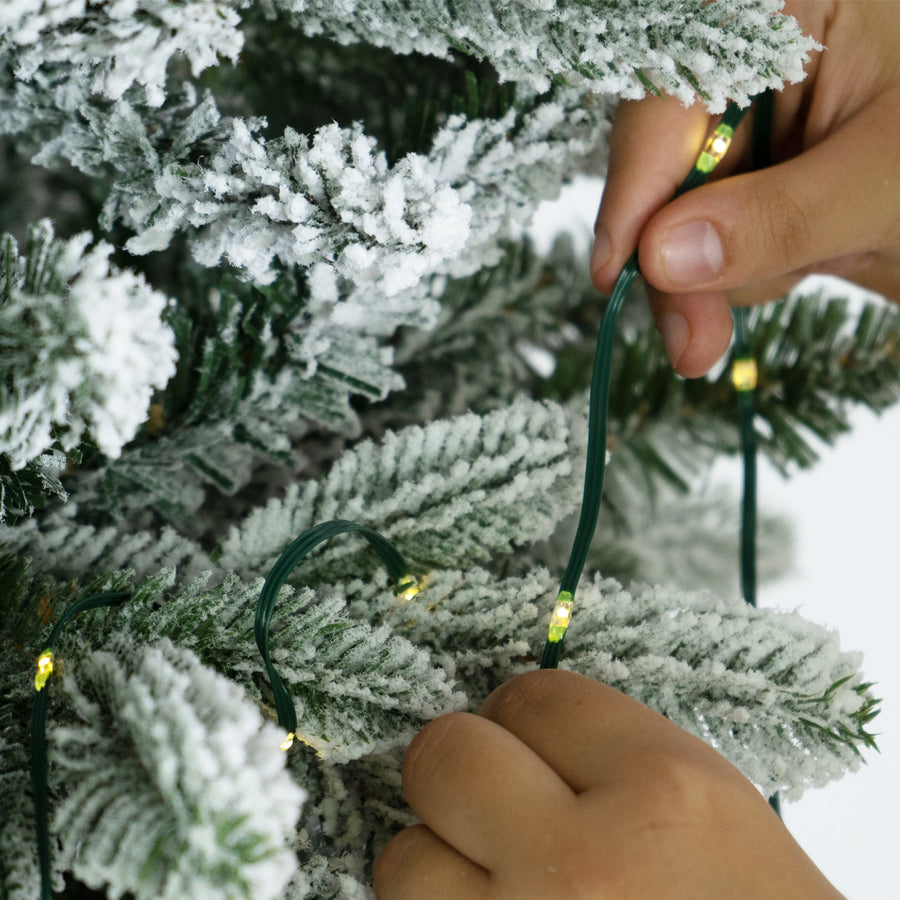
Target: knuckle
{"type": "Point", "coordinates": [531, 691]}
{"type": "Point", "coordinates": [785, 230]}
{"type": "Point", "coordinates": [685, 789]}
{"type": "Point", "coordinates": [395, 856]}
{"type": "Point", "coordinates": [430, 738]}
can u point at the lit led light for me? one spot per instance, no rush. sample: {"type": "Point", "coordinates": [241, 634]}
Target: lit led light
{"type": "Point", "coordinates": [288, 742]}
{"type": "Point", "coordinates": [562, 615]}
{"type": "Point", "coordinates": [409, 588]}
{"type": "Point", "coordinates": [44, 669]}
{"type": "Point", "coordinates": [716, 147]}
{"type": "Point", "coordinates": [744, 374]}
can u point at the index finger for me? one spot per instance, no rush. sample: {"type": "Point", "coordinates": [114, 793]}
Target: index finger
{"type": "Point", "coordinates": [636, 146]}
{"type": "Point", "coordinates": [606, 732]}
{"type": "Point", "coordinates": [481, 790]}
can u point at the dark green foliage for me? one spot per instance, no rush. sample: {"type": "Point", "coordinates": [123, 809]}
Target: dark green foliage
{"type": "Point", "coordinates": [473, 360]}
{"type": "Point", "coordinates": [402, 99]}
{"type": "Point", "coordinates": [854, 736]}
{"type": "Point", "coordinates": [226, 332]}
{"type": "Point", "coordinates": [28, 489]}
{"type": "Point", "coordinates": [816, 359]}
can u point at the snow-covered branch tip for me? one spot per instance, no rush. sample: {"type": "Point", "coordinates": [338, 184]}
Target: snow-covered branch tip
{"type": "Point", "coordinates": [118, 44]}
{"type": "Point", "coordinates": [729, 49]}
{"type": "Point", "coordinates": [180, 788]}
{"type": "Point", "coordinates": [83, 343]}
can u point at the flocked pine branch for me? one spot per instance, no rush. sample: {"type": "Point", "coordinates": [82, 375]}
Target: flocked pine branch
{"type": "Point", "coordinates": [342, 204]}
{"type": "Point", "coordinates": [720, 50]}
{"type": "Point", "coordinates": [19, 875]}
{"type": "Point", "coordinates": [328, 201]}
{"type": "Point", "coordinates": [453, 491]}
{"type": "Point", "coordinates": [119, 44]}
{"type": "Point", "coordinates": [340, 818]}
{"type": "Point", "coordinates": [771, 691]}
{"type": "Point", "coordinates": [66, 549]}
{"type": "Point", "coordinates": [199, 804]}
{"type": "Point", "coordinates": [253, 376]}
{"type": "Point", "coordinates": [269, 359]}
{"type": "Point", "coordinates": [492, 325]}
{"type": "Point", "coordinates": [666, 536]}
{"type": "Point", "coordinates": [83, 347]}
{"type": "Point", "coordinates": [357, 689]}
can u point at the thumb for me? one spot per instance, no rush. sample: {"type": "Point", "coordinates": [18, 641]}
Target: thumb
{"type": "Point", "coordinates": [834, 199]}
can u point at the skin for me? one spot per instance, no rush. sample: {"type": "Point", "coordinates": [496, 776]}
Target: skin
{"type": "Point", "coordinates": [561, 787]}
{"type": "Point", "coordinates": [829, 204]}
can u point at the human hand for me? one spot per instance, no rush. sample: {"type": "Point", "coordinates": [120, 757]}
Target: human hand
{"type": "Point", "coordinates": [830, 204]}
{"type": "Point", "coordinates": [562, 787]}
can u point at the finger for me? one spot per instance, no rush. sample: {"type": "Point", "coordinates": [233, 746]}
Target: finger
{"type": "Point", "coordinates": [605, 731]}
{"type": "Point", "coordinates": [653, 144]}
{"type": "Point", "coordinates": [480, 789]}
{"type": "Point", "coordinates": [829, 201]}
{"type": "Point", "coordinates": [417, 864]}
{"type": "Point", "coordinates": [696, 329]}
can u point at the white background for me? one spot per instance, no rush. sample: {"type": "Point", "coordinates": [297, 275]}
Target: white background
{"type": "Point", "coordinates": [846, 576]}
{"type": "Point", "coordinates": [845, 513]}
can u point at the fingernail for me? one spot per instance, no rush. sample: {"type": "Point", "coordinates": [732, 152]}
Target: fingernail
{"type": "Point", "coordinates": [692, 254]}
{"type": "Point", "coordinates": [675, 333]}
{"type": "Point", "coordinates": [602, 249]}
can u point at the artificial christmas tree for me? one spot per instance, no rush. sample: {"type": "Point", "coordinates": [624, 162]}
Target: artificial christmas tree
{"type": "Point", "coordinates": [286, 283]}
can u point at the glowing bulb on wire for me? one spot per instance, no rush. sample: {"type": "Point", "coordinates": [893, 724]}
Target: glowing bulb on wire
{"type": "Point", "coordinates": [744, 374]}
{"type": "Point", "coordinates": [716, 147]}
{"type": "Point", "coordinates": [409, 588]}
{"type": "Point", "coordinates": [44, 669]}
{"type": "Point", "coordinates": [562, 615]}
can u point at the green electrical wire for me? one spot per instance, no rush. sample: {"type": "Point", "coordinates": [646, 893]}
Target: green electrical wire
{"type": "Point", "coordinates": [715, 148]}
{"type": "Point", "coordinates": [287, 562]}
{"type": "Point", "coordinates": [39, 792]}
{"type": "Point", "coordinates": [744, 377]}
{"type": "Point", "coordinates": [762, 159]}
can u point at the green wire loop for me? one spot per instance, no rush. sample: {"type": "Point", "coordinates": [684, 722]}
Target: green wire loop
{"type": "Point", "coordinates": [39, 791]}
{"type": "Point", "coordinates": [598, 414]}
{"type": "Point", "coordinates": [287, 562]}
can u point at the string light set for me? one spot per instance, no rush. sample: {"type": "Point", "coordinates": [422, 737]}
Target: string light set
{"type": "Point", "coordinates": [408, 586]}
{"type": "Point", "coordinates": [712, 153]}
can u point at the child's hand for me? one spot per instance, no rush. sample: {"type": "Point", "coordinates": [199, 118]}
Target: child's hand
{"type": "Point", "coordinates": [562, 787]}
{"type": "Point", "coordinates": [831, 204]}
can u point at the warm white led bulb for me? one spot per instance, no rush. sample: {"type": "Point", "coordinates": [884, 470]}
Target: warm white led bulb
{"type": "Point", "coordinates": [744, 374]}
{"type": "Point", "coordinates": [409, 588]}
{"type": "Point", "coordinates": [44, 669]}
{"type": "Point", "coordinates": [562, 615]}
{"type": "Point", "coordinates": [716, 147]}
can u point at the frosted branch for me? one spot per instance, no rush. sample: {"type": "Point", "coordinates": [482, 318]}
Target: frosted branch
{"type": "Point", "coordinates": [83, 346]}
{"type": "Point", "coordinates": [455, 490]}
{"type": "Point", "coordinates": [730, 49]}
{"type": "Point", "coordinates": [118, 43]}
{"type": "Point", "coordinates": [179, 787]}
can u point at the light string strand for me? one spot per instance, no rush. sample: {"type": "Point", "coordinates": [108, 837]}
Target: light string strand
{"type": "Point", "coordinates": [713, 151]}
{"type": "Point", "coordinates": [295, 553]}
{"type": "Point", "coordinates": [744, 377]}
{"type": "Point", "coordinates": [46, 666]}
{"type": "Point", "coordinates": [715, 148]}
{"type": "Point", "coordinates": [746, 399]}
